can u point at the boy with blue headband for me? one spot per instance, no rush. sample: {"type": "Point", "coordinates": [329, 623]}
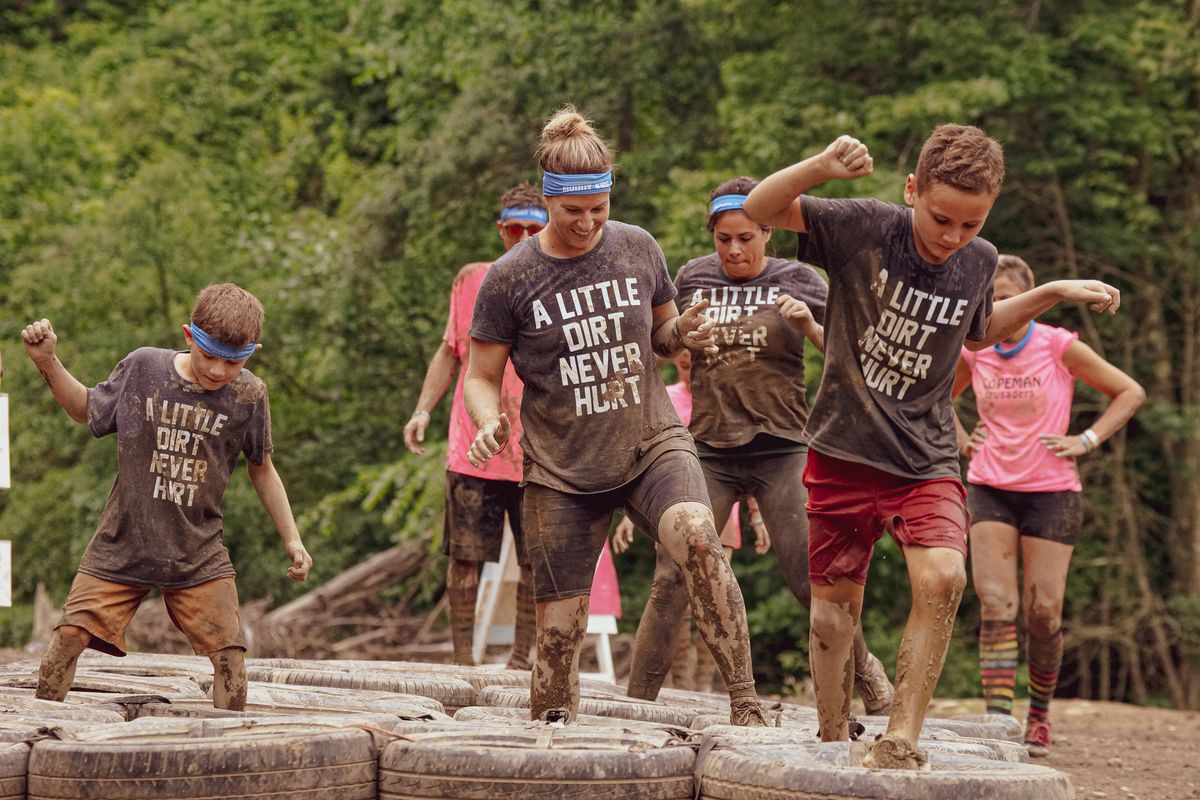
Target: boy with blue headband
{"type": "Point", "coordinates": [182, 420]}
{"type": "Point", "coordinates": [477, 498]}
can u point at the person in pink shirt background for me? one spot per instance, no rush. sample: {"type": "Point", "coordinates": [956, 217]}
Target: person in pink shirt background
{"type": "Point", "coordinates": [1023, 491]}
{"type": "Point", "coordinates": [478, 497]}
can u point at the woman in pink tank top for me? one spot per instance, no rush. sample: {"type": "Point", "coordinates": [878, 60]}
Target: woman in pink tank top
{"type": "Point", "coordinates": [1024, 493]}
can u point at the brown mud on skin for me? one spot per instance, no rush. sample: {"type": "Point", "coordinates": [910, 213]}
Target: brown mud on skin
{"type": "Point", "coordinates": [893, 752]}
{"type": "Point", "coordinates": [832, 667]}
{"type": "Point", "coordinates": [555, 682]}
{"type": "Point", "coordinates": [229, 672]}
{"type": "Point", "coordinates": [923, 647]}
{"type": "Point", "coordinates": [57, 670]}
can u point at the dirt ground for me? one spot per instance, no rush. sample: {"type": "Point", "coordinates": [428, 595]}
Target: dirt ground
{"type": "Point", "coordinates": [1110, 750]}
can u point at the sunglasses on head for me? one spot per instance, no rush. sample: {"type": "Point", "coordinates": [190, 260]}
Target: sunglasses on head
{"type": "Point", "coordinates": [516, 229]}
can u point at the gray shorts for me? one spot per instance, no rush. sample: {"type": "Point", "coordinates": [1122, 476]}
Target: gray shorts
{"type": "Point", "coordinates": [473, 528]}
{"type": "Point", "coordinates": [564, 533]}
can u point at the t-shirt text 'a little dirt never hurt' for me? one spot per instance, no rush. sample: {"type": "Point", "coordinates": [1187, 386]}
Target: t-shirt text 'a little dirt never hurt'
{"type": "Point", "coordinates": [180, 430]}
{"type": "Point", "coordinates": [891, 350]}
{"type": "Point", "coordinates": [602, 369]}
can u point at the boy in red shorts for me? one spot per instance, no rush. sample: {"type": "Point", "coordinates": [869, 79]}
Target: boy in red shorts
{"type": "Point", "coordinates": [182, 419]}
{"type": "Point", "coordinates": [907, 286]}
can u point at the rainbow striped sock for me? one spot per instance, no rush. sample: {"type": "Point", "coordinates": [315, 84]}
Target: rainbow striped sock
{"type": "Point", "coordinates": [998, 663]}
{"type": "Point", "coordinates": [1045, 660]}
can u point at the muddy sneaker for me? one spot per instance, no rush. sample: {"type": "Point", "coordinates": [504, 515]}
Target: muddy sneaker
{"type": "Point", "coordinates": [892, 752]}
{"type": "Point", "coordinates": [874, 688]}
{"type": "Point", "coordinates": [555, 716]}
{"type": "Point", "coordinates": [1037, 737]}
{"type": "Point", "coordinates": [748, 714]}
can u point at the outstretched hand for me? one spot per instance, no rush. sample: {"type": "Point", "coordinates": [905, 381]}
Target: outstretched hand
{"type": "Point", "coordinates": [847, 157]}
{"type": "Point", "coordinates": [490, 440]}
{"type": "Point", "coordinates": [697, 330]}
{"type": "Point", "coordinates": [1099, 296]}
{"type": "Point", "coordinates": [40, 341]}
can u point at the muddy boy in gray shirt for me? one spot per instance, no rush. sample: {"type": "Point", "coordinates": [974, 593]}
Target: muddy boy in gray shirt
{"type": "Point", "coordinates": [182, 421]}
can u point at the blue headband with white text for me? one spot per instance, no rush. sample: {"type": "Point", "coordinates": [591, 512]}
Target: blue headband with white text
{"type": "Point", "coordinates": [525, 214]}
{"type": "Point", "coordinates": [215, 347]}
{"type": "Point", "coordinates": [583, 183]}
{"type": "Point", "coordinates": [727, 202]}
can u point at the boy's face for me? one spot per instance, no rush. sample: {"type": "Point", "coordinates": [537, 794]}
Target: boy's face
{"type": "Point", "coordinates": [945, 219]}
{"type": "Point", "coordinates": [209, 371]}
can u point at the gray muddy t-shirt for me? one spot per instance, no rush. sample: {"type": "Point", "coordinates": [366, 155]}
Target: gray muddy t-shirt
{"type": "Point", "coordinates": [755, 384]}
{"type": "Point", "coordinates": [177, 445]}
{"type": "Point", "coordinates": [595, 415]}
{"type": "Point", "coordinates": [894, 327]}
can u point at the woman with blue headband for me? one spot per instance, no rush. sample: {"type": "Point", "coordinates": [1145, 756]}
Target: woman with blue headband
{"type": "Point", "coordinates": [582, 309]}
{"type": "Point", "coordinates": [748, 416]}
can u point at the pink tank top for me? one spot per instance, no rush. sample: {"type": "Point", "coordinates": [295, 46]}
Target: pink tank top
{"type": "Point", "coordinates": [507, 464]}
{"type": "Point", "coordinates": [1019, 398]}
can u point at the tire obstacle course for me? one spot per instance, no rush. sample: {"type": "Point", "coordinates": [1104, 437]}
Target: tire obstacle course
{"type": "Point", "coordinates": [142, 727]}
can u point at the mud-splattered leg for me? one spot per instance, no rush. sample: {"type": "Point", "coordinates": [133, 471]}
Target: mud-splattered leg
{"type": "Point", "coordinates": [660, 628]}
{"type": "Point", "coordinates": [938, 576]}
{"type": "Point", "coordinates": [462, 587]}
{"type": "Point", "coordinates": [994, 575]}
{"type": "Point", "coordinates": [834, 619]}
{"type": "Point", "coordinates": [560, 625]}
{"type": "Point", "coordinates": [57, 670]}
{"type": "Point", "coordinates": [1046, 564]}
{"type": "Point", "coordinates": [229, 679]}
{"type": "Point", "coordinates": [689, 536]}
{"type": "Point", "coordinates": [525, 632]}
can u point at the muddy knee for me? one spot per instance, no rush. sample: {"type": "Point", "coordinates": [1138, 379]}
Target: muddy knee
{"type": "Point", "coordinates": [995, 602]}
{"type": "Point", "coordinates": [1043, 620]}
{"type": "Point", "coordinates": [831, 623]}
{"type": "Point", "coordinates": [943, 582]}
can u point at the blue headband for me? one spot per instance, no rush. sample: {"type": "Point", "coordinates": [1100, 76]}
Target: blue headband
{"type": "Point", "coordinates": [727, 202]}
{"type": "Point", "coordinates": [215, 347]}
{"type": "Point", "coordinates": [528, 213]}
{"type": "Point", "coordinates": [582, 183]}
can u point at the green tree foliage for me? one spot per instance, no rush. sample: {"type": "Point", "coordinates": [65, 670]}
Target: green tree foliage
{"type": "Point", "coordinates": [342, 160]}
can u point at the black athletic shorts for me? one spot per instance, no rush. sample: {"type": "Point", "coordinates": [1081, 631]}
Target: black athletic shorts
{"type": "Point", "coordinates": [1054, 516]}
{"type": "Point", "coordinates": [474, 521]}
{"type": "Point", "coordinates": [565, 532]}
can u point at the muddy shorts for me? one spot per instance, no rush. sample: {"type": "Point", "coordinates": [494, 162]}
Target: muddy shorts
{"type": "Point", "coordinates": [474, 521]}
{"type": "Point", "coordinates": [565, 532]}
{"type": "Point", "coordinates": [207, 613]}
{"type": "Point", "coordinates": [851, 505]}
{"type": "Point", "coordinates": [1053, 516]}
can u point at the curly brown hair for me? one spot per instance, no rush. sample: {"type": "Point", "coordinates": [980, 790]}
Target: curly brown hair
{"type": "Point", "coordinates": [522, 195]}
{"type": "Point", "coordinates": [963, 157]}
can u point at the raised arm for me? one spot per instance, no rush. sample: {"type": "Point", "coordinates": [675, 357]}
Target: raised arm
{"type": "Point", "coordinates": [1009, 316]}
{"type": "Point", "coordinates": [776, 200]}
{"type": "Point", "coordinates": [269, 487]}
{"type": "Point", "coordinates": [40, 343]}
{"type": "Point", "coordinates": [481, 396]}
{"type": "Point", "coordinates": [438, 375]}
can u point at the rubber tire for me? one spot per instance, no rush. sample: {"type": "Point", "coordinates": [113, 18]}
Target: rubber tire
{"type": "Point", "coordinates": [452, 693]}
{"type": "Point", "coordinates": [14, 764]}
{"type": "Point", "coordinates": [623, 708]}
{"type": "Point", "coordinates": [732, 736]}
{"type": "Point", "coordinates": [203, 710]}
{"type": "Point", "coordinates": [96, 681]}
{"type": "Point", "coordinates": [995, 726]}
{"type": "Point", "coordinates": [519, 718]}
{"type": "Point", "coordinates": [339, 765]}
{"type": "Point", "coordinates": [783, 772]}
{"type": "Point", "coordinates": [508, 763]}
{"type": "Point", "coordinates": [47, 711]}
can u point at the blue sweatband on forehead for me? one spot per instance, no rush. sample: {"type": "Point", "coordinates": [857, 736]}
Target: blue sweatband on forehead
{"type": "Point", "coordinates": [583, 183]}
{"type": "Point", "coordinates": [727, 202]}
{"type": "Point", "coordinates": [525, 214]}
{"type": "Point", "coordinates": [215, 347]}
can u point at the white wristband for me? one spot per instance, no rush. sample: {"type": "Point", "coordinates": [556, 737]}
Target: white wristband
{"type": "Point", "coordinates": [421, 412]}
{"type": "Point", "coordinates": [1090, 439]}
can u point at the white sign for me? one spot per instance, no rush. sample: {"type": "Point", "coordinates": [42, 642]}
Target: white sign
{"type": "Point", "coordinates": [4, 473]}
{"type": "Point", "coordinates": [5, 573]}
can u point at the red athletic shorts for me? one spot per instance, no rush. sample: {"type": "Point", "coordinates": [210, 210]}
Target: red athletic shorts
{"type": "Point", "coordinates": [850, 505]}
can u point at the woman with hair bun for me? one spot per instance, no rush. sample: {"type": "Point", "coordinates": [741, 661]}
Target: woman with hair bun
{"type": "Point", "coordinates": [749, 409]}
{"type": "Point", "coordinates": [582, 309]}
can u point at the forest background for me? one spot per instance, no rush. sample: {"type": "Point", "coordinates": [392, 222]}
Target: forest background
{"type": "Point", "coordinates": [343, 159]}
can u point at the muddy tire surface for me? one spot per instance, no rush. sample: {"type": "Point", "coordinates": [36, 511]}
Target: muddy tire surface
{"type": "Point", "coordinates": [14, 759]}
{"type": "Point", "coordinates": [147, 759]}
{"type": "Point", "coordinates": [452, 693]}
{"type": "Point", "coordinates": [789, 772]}
{"type": "Point", "coordinates": [548, 762]}
{"type": "Point", "coordinates": [27, 707]}
{"type": "Point", "coordinates": [621, 707]}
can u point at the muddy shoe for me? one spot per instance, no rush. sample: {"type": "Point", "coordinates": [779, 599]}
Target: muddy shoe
{"type": "Point", "coordinates": [1037, 737]}
{"type": "Point", "coordinates": [874, 688]}
{"type": "Point", "coordinates": [892, 752]}
{"type": "Point", "coordinates": [555, 716]}
{"type": "Point", "coordinates": [748, 714]}
{"type": "Point", "coordinates": [857, 729]}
